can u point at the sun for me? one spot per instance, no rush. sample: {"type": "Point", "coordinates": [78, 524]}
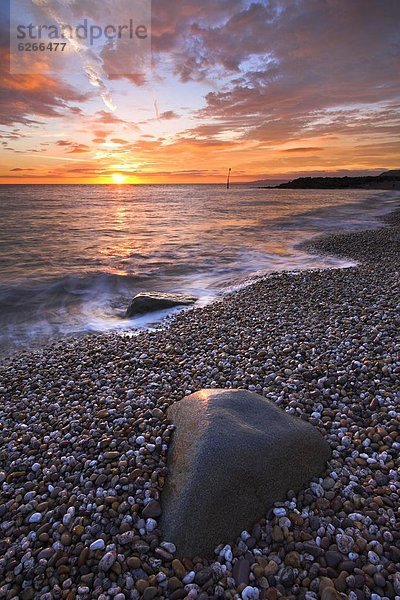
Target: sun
{"type": "Point", "coordinates": [118, 178]}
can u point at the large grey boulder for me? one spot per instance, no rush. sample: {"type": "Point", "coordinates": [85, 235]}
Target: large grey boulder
{"type": "Point", "coordinates": [233, 454]}
{"type": "Point", "coordinates": [152, 301]}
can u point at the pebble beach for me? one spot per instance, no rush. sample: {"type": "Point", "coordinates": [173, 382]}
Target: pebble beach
{"type": "Point", "coordinates": [84, 440]}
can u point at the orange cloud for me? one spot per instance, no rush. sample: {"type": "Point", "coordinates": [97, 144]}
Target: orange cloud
{"type": "Point", "coordinates": [28, 99]}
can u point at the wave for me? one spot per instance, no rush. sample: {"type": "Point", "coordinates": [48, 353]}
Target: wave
{"type": "Point", "coordinates": [73, 267]}
{"type": "Point", "coordinates": [68, 290]}
{"type": "Point", "coordinates": [71, 304]}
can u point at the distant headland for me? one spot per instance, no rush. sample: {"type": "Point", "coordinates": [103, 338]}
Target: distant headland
{"type": "Point", "coordinates": [388, 180]}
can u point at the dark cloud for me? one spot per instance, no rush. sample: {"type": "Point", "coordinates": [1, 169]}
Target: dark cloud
{"type": "Point", "coordinates": [304, 149]}
{"type": "Point", "coordinates": [73, 147]}
{"type": "Point", "coordinates": [19, 169]}
{"type": "Point", "coordinates": [168, 115]}
{"type": "Point", "coordinates": [293, 62]}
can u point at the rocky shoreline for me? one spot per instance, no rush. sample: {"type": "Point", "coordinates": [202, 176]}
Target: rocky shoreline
{"type": "Point", "coordinates": [84, 439]}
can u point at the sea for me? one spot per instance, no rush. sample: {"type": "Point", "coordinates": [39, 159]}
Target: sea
{"type": "Point", "coordinates": [73, 256]}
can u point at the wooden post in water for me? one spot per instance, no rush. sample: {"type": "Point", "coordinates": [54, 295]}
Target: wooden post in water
{"type": "Point", "coordinates": [228, 182]}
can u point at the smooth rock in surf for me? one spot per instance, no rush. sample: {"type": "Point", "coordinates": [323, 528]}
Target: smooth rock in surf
{"type": "Point", "coordinates": [151, 301]}
{"type": "Point", "coordinates": [234, 453]}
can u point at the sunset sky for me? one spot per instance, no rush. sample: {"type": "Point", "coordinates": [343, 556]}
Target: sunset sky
{"type": "Point", "coordinates": [271, 89]}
